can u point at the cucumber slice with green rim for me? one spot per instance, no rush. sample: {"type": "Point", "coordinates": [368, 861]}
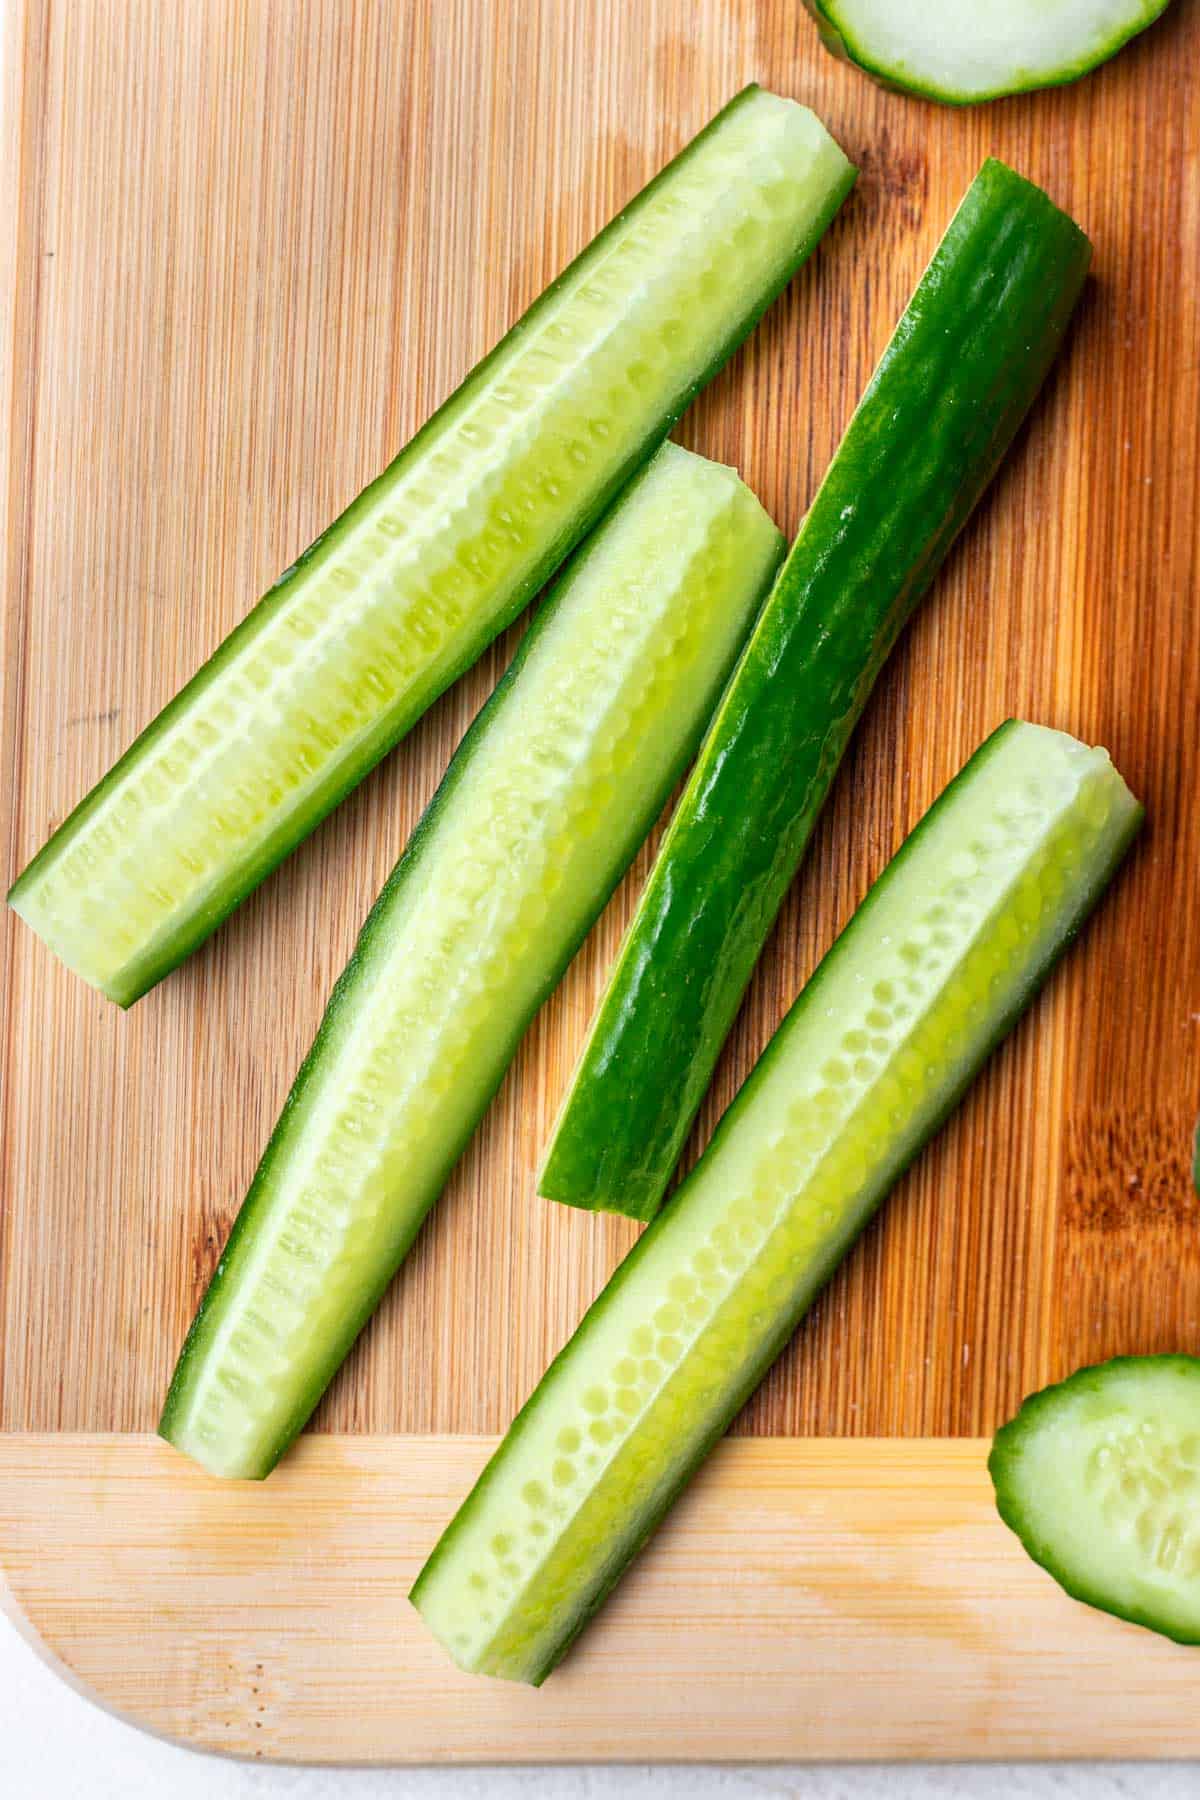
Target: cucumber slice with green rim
{"type": "Point", "coordinates": [936, 964]}
{"type": "Point", "coordinates": [1100, 1479]}
{"type": "Point", "coordinates": [956, 380]}
{"type": "Point", "coordinates": [965, 51]}
{"type": "Point", "coordinates": [550, 794]}
{"type": "Point", "coordinates": [438, 555]}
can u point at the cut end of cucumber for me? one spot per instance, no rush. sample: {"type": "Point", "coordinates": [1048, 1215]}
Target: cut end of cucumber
{"type": "Point", "coordinates": [1099, 1477]}
{"type": "Point", "coordinates": [568, 1182]}
{"type": "Point", "coordinates": [962, 53]}
{"type": "Point", "coordinates": [218, 1456]}
{"type": "Point", "coordinates": [571, 1172]}
{"type": "Point", "coordinates": [64, 944]}
{"type": "Point", "coordinates": [1073, 246]}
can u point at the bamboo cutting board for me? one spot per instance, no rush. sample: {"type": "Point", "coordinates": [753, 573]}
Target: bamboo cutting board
{"type": "Point", "coordinates": [248, 246]}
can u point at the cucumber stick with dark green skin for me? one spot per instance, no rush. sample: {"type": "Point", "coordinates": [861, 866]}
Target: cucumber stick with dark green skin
{"type": "Point", "coordinates": [955, 382]}
{"type": "Point", "coordinates": [937, 963]}
{"type": "Point", "coordinates": [1099, 1477]}
{"type": "Point", "coordinates": [436, 556]}
{"type": "Point", "coordinates": [548, 797]}
{"type": "Point", "coordinates": [965, 51]}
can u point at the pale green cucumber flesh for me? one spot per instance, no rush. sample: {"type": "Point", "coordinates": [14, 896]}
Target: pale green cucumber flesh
{"type": "Point", "coordinates": [937, 963]}
{"type": "Point", "coordinates": [542, 808]}
{"type": "Point", "coordinates": [1099, 1477]}
{"type": "Point", "coordinates": [965, 51]}
{"type": "Point", "coordinates": [437, 556]}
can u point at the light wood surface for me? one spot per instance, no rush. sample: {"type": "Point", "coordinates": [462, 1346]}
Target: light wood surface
{"type": "Point", "coordinates": [247, 245]}
{"type": "Point", "coordinates": [809, 1600]}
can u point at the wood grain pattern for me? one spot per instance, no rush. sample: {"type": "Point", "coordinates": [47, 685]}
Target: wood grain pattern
{"type": "Point", "coordinates": [252, 244]}
{"type": "Point", "coordinates": [811, 1600]}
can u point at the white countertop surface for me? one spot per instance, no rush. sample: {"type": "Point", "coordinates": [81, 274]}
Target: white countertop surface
{"type": "Point", "coordinates": [54, 1745]}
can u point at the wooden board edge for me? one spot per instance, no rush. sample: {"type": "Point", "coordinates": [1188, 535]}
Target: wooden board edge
{"type": "Point", "coordinates": [823, 1600]}
{"type": "Point", "coordinates": [12, 1610]}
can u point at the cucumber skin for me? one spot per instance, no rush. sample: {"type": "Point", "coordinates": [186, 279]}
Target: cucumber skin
{"type": "Point", "coordinates": [391, 728]}
{"type": "Point", "coordinates": [839, 44]}
{"type": "Point", "coordinates": [786, 1325]}
{"type": "Point", "coordinates": [838, 605]}
{"type": "Point", "coordinates": [343, 995]}
{"type": "Point", "coordinates": [1005, 1450]}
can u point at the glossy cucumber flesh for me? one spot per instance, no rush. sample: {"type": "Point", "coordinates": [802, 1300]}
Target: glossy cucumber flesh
{"type": "Point", "coordinates": [961, 51]}
{"type": "Point", "coordinates": [1100, 1479]}
{"type": "Point", "coordinates": [942, 956]}
{"type": "Point", "coordinates": [541, 809]}
{"type": "Point", "coordinates": [437, 556]}
{"type": "Point", "coordinates": [953, 385]}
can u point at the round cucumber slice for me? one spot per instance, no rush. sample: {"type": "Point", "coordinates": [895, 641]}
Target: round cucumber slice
{"type": "Point", "coordinates": [965, 51]}
{"type": "Point", "coordinates": [1100, 1479]}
